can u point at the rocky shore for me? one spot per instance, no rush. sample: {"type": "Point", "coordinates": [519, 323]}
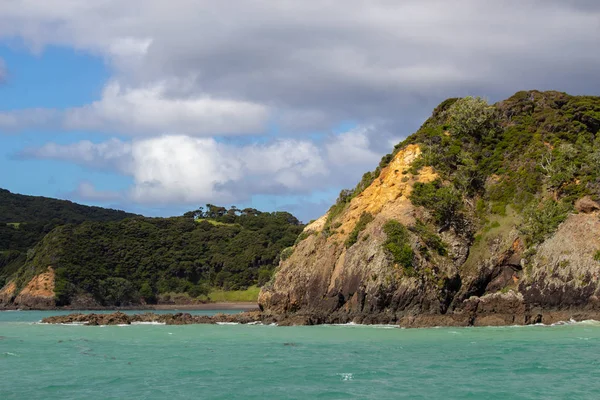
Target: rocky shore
{"type": "Point", "coordinates": [497, 310]}
{"type": "Point", "coordinates": [119, 318]}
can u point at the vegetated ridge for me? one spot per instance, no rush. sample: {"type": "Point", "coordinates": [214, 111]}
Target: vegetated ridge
{"type": "Point", "coordinates": [487, 215]}
{"type": "Point", "coordinates": [117, 259]}
{"type": "Point", "coordinates": [25, 220]}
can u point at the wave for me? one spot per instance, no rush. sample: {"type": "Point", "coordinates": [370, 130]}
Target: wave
{"type": "Point", "coordinates": [354, 324]}
{"type": "Point", "coordinates": [148, 323]}
{"type": "Point", "coordinates": [228, 323]}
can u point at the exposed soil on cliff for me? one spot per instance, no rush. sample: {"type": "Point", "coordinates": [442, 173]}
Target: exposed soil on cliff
{"type": "Point", "coordinates": [39, 291]}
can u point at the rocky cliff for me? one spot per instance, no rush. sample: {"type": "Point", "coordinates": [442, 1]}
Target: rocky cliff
{"type": "Point", "coordinates": [488, 215]}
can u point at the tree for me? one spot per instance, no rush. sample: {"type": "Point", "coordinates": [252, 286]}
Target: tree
{"type": "Point", "coordinates": [471, 116]}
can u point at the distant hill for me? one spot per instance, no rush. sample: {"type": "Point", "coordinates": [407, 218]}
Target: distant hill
{"type": "Point", "coordinates": [25, 220]}
{"type": "Point", "coordinates": [141, 260]}
{"type": "Point", "coordinates": [19, 208]}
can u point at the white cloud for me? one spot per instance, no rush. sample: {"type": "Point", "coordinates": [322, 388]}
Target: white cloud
{"type": "Point", "coordinates": [150, 111]}
{"type": "Point", "coordinates": [183, 169]}
{"type": "Point", "coordinates": [351, 148]}
{"type": "Point", "coordinates": [112, 154]}
{"type": "Point", "coordinates": [146, 111]}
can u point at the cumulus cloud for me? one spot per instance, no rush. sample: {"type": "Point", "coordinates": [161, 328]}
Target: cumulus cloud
{"type": "Point", "coordinates": [146, 111]}
{"type": "Point", "coordinates": [187, 170]}
{"type": "Point", "coordinates": [150, 111]}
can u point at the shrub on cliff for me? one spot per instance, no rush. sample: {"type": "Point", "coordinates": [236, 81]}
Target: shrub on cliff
{"type": "Point", "coordinates": [360, 226]}
{"type": "Point", "coordinates": [444, 202]}
{"type": "Point", "coordinates": [471, 116]}
{"type": "Point", "coordinates": [540, 220]}
{"type": "Point", "coordinates": [398, 245]}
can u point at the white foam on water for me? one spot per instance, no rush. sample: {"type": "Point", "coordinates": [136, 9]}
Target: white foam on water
{"type": "Point", "coordinates": [148, 323]}
{"type": "Point", "coordinates": [346, 376]}
{"type": "Point", "coordinates": [10, 354]}
{"type": "Point", "coordinates": [379, 326]}
{"type": "Point", "coordinates": [254, 323]}
{"type": "Point", "coordinates": [588, 322]}
{"type": "Point", "coordinates": [228, 323]}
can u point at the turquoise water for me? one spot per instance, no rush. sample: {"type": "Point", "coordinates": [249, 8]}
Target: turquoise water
{"type": "Point", "coordinates": [323, 362]}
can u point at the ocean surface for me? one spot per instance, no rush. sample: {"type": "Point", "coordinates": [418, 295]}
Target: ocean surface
{"type": "Point", "coordinates": [39, 361]}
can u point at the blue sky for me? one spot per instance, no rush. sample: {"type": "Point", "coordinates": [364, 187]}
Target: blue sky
{"type": "Point", "coordinates": [157, 107]}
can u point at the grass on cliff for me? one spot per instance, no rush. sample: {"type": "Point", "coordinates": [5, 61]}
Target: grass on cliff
{"type": "Point", "coordinates": [498, 228]}
{"type": "Point", "coordinates": [224, 296]}
{"type": "Point", "coordinates": [360, 226]}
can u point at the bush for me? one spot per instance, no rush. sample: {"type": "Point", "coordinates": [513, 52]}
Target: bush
{"type": "Point", "coordinates": [398, 245]}
{"type": "Point", "coordinates": [540, 220]}
{"type": "Point", "coordinates": [360, 226]}
{"type": "Point", "coordinates": [286, 253]}
{"type": "Point", "coordinates": [470, 116]}
{"type": "Point", "coordinates": [432, 240]}
{"type": "Point", "coordinates": [147, 293]}
{"type": "Point", "coordinates": [117, 291]}
{"type": "Point", "coordinates": [445, 202]}
{"type": "Point", "coordinates": [597, 256]}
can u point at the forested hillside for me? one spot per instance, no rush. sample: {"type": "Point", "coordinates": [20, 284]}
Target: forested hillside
{"type": "Point", "coordinates": [142, 259]}
{"type": "Point", "coordinates": [24, 220]}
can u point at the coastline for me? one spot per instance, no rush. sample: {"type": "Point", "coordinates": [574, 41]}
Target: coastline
{"type": "Point", "coordinates": [258, 317]}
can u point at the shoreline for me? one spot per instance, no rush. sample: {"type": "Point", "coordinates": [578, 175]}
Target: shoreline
{"type": "Point", "coordinates": [258, 317]}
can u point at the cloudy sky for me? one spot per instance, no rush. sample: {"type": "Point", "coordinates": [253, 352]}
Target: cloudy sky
{"type": "Point", "coordinates": [159, 106]}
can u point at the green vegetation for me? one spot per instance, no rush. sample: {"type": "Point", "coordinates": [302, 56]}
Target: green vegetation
{"type": "Point", "coordinates": [301, 237]}
{"type": "Point", "coordinates": [516, 153]}
{"type": "Point", "coordinates": [597, 256]}
{"type": "Point", "coordinates": [398, 245]}
{"type": "Point", "coordinates": [541, 220]}
{"type": "Point", "coordinates": [360, 226]}
{"type": "Point", "coordinates": [444, 201]}
{"type": "Point", "coordinates": [286, 253]}
{"type": "Point", "coordinates": [430, 239]}
{"type": "Point", "coordinates": [25, 220]}
{"type": "Point", "coordinates": [248, 295]}
{"type": "Point", "coordinates": [124, 261]}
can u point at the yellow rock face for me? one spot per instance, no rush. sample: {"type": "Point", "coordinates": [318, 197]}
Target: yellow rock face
{"type": "Point", "coordinates": [41, 285]}
{"type": "Point", "coordinates": [321, 265]}
{"type": "Point", "coordinates": [8, 292]}
{"type": "Point", "coordinates": [388, 194]}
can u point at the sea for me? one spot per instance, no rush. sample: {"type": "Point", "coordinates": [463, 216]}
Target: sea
{"type": "Point", "coordinates": [40, 361]}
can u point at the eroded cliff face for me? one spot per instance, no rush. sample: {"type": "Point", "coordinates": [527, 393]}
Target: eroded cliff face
{"type": "Point", "coordinates": [38, 293]}
{"type": "Point", "coordinates": [494, 280]}
{"type": "Point", "coordinates": [327, 281]}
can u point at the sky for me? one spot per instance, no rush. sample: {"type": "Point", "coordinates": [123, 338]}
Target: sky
{"type": "Point", "coordinates": [158, 107]}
